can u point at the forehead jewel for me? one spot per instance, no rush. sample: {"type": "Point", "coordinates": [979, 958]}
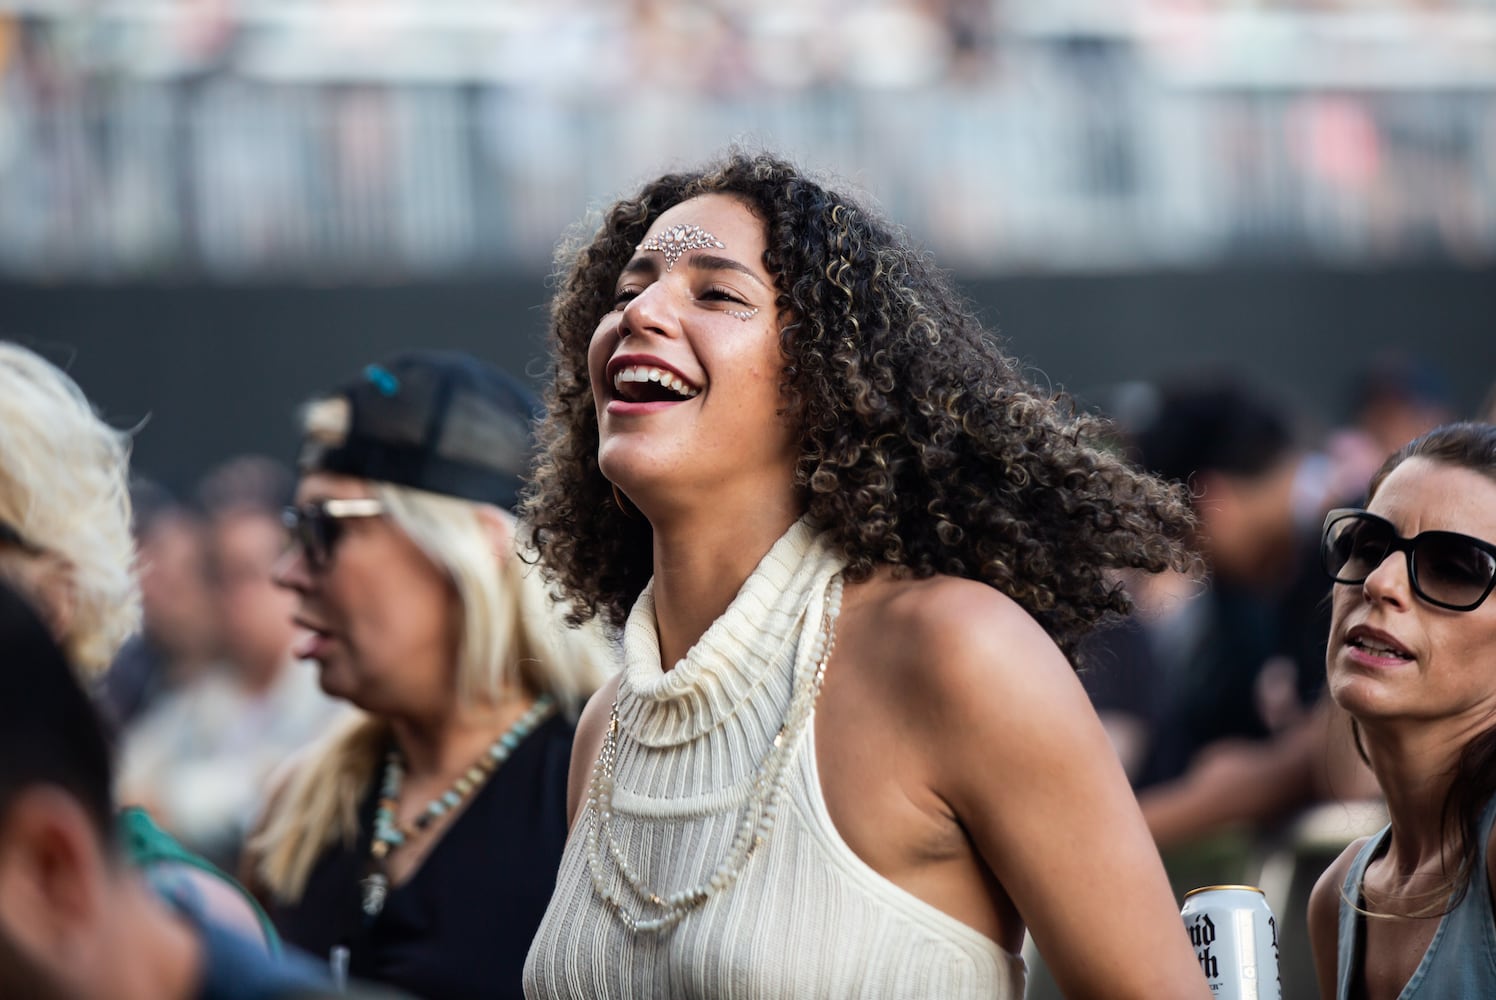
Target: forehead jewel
{"type": "Point", "coordinates": [678, 240]}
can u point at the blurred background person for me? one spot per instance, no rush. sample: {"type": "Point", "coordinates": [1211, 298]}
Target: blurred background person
{"type": "Point", "coordinates": [178, 637]}
{"type": "Point", "coordinates": [1237, 453]}
{"type": "Point", "coordinates": [1240, 745]}
{"type": "Point", "coordinates": [419, 844]}
{"type": "Point", "coordinates": [199, 758]}
{"type": "Point", "coordinates": [65, 536]}
{"type": "Point", "coordinates": [66, 545]}
{"type": "Point", "coordinates": [77, 921]}
{"type": "Point", "coordinates": [1395, 397]}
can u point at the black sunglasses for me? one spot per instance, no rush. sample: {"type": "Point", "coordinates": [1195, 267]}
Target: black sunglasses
{"type": "Point", "coordinates": [1446, 569]}
{"type": "Point", "coordinates": [316, 527]}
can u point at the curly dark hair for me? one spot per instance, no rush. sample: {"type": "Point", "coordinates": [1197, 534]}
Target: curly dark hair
{"type": "Point", "coordinates": [923, 446]}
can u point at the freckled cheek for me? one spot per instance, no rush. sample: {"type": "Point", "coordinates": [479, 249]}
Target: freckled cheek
{"type": "Point", "coordinates": [1477, 645]}
{"type": "Point", "coordinates": [599, 350]}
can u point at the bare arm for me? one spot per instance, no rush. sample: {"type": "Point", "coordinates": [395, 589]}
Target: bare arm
{"type": "Point", "coordinates": [1232, 782]}
{"type": "Point", "coordinates": [1027, 768]}
{"type": "Point", "coordinates": [1255, 782]}
{"type": "Point", "coordinates": [1324, 920]}
{"type": "Point", "coordinates": [592, 727]}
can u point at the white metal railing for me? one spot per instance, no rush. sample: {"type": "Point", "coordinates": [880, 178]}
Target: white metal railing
{"type": "Point", "coordinates": [282, 146]}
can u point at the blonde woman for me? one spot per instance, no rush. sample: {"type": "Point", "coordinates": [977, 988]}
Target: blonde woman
{"type": "Point", "coordinates": [65, 537]}
{"type": "Point", "coordinates": [66, 546]}
{"type": "Point", "coordinates": [418, 847]}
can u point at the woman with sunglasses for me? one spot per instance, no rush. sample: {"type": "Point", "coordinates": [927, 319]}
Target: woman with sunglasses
{"type": "Point", "coordinates": [849, 546]}
{"type": "Point", "coordinates": [419, 846]}
{"type": "Point", "coordinates": [1407, 912]}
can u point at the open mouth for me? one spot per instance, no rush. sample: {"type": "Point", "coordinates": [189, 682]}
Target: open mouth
{"type": "Point", "coordinates": [1378, 649]}
{"type": "Point", "coordinates": [649, 384]}
{"type": "Point", "coordinates": [1376, 645]}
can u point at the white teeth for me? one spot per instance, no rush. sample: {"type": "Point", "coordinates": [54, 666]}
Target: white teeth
{"type": "Point", "coordinates": [1373, 646]}
{"type": "Point", "coordinates": [647, 373]}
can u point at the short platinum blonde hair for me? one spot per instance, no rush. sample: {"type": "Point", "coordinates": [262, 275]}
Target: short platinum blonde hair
{"type": "Point", "coordinates": [64, 488]}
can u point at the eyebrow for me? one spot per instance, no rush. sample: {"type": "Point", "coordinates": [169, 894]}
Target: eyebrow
{"type": "Point", "coordinates": [698, 262]}
{"type": "Point", "coordinates": [711, 262]}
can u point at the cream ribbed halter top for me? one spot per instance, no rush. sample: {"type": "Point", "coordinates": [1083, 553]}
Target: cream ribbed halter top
{"type": "Point", "coordinates": [805, 917]}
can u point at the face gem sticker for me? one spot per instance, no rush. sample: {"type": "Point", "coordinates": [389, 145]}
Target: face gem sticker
{"type": "Point", "coordinates": [679, 240]}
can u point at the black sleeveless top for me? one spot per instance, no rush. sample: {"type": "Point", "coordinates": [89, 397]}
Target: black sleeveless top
{"type": "Point", "coordinates": [461, 925]}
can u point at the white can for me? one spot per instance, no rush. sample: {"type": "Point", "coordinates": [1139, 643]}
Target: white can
{"type": "Point", "coordinates": [1236, 941]}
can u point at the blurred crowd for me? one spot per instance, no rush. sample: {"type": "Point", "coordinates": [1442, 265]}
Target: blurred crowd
{"type": "Point", "coordinates": [392, 140]}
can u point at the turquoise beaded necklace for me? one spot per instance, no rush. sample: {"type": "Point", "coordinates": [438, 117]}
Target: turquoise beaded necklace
{"type": "Point", "coordinates": [390, 836]}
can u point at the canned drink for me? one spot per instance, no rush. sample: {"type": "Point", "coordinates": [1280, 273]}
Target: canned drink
{"type": "Point", "coordinates": [1236, 941]}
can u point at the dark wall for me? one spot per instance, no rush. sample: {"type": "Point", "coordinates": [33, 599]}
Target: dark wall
{"type": "Point", "coordinates": [218, 370]}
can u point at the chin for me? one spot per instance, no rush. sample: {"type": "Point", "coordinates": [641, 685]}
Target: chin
{"type": "Point", "coordinates": [334, 685]}
{"type": "Point", "coordinates": [630, 465]}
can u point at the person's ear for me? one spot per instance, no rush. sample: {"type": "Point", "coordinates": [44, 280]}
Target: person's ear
{"type": "Point", "coordinates": [498, 525]}
{"type": "Point", "coordinates": [59, 598]}
{"type": "Point", "coordinates": [54, 873]}
{"type": "Point", "coordinates": [46, 581]}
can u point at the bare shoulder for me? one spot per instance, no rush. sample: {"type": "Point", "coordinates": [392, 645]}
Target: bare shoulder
{"type": "Point", "coordinates": [592, 727]}
{"type": "Point", "coordinates": [1323, 917]}
{"type": "Point", "coordinates": [991, 722]}
{"type": "Point", "coordinates": [946, 643]}
{"type": "Point", "coordinates": [1324, 899]}
{"type": "Point", "coordinates": [968, 674]}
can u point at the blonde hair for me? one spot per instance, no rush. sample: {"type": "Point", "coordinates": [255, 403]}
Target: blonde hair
{"type": "Point", "coordinates": [64, 487]}
{"type": "Point", "coordinates": [512, 635]}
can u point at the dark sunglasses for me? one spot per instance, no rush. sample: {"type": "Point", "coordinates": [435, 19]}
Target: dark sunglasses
{"type": "Point", "coordinates": [1446, 569]}
{"type": "Point", "coordinates": [316, 527]}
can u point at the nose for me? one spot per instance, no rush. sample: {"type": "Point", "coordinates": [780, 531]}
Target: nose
{"type": "Point", "coordinates": [290, 571]}
{"type": "Point", "coordinates": [652, 310]}
{"type": "Point", "coordinates": [1390, 582]}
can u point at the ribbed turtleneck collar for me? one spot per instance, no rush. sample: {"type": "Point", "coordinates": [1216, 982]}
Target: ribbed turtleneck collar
{"type": "Point", "coordinates": [737, 654]}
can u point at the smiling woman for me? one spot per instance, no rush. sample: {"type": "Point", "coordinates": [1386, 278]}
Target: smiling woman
{"type": "Point", "coordinates": [1407, 912]}
{"type": "Point", "coordinates": [848, 546]}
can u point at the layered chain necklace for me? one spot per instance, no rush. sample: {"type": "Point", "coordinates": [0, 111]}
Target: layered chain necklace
{"type": "Point", "coordinates": [661, 910]}
{"type": "Point", "coordinates": [390, 836]}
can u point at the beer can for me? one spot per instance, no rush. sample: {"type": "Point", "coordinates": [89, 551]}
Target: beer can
{"type": "Point", "coordinates": [1235, 936]}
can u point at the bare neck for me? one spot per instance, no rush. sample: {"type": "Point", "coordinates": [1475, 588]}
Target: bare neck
{"type": "Point", "coordinates": [447, 742]}
{"type": "Point", "coordinates": [1415, 766]}
{"type": "Point", "coordinates": [260, 678]}
{"type": "Point", "coordinates": [701, 564]}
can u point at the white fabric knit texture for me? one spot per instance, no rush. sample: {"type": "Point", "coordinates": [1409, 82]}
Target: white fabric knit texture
{"type": "Point", "coordinates": [806, 918]}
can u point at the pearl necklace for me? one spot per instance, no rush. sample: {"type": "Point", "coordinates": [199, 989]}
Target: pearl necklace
{"type": "Point", "coordinates": [758, 813]}
{"type": "Point", "coordinates": [390, 836]}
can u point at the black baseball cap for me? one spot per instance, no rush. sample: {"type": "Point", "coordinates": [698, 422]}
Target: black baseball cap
{"type": "Point", "coordinates": [440, 421]}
